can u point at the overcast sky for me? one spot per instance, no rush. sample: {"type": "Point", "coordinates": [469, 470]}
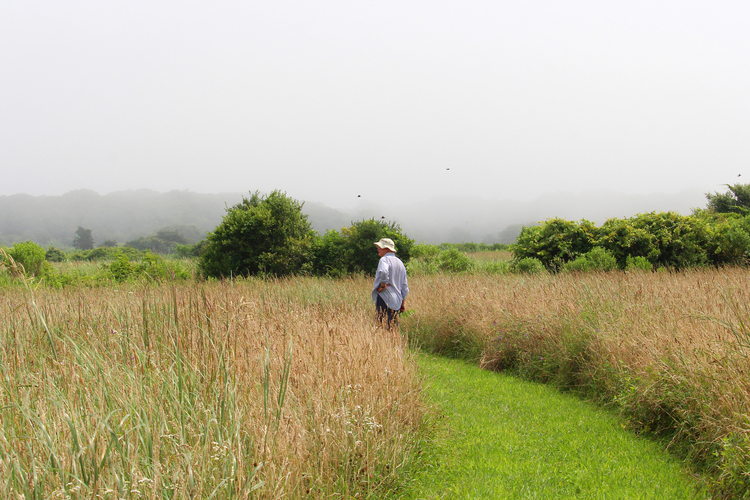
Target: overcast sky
{"type": "Point", "coordinates": [328, 100]}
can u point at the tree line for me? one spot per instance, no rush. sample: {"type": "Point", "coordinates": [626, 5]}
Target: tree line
{"type": "Point", "coordinates": [718, 235]}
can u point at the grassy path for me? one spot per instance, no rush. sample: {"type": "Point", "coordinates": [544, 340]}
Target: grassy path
{"type": "Point", "coordinates": [506, 438]}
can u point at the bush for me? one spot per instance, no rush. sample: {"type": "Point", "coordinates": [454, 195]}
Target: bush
{"type": "Point", "coordinates": [453, 261]}
{"type": "Point", "coordinates": [555, 242]}
{"type": "Point", "coordinates": [104, 253]}
{"type": "Point", "coordinates": [188, 251]}
{"type": "Point", "coordinates": [54, 255]}
{"type": "Point", "coordinates": [598, 259]}
{"type": "Point", "coordinates": [638, 264]}
{"type": "Point", "coordinates": [165, 241]}
{"type": "Point", "coordinates": [121, 268]}
{"type": "Point", "coordinates": [352, 251]}
{"type": "Point", "coordinates": [261, 235]}
{"type": "Point", "coordinates": [528, 265]}
{"type": "Point", "coordinates": [666, 239]}
{"type": "Point", "coordinates": [424, 252]}
{"type": "Point", "coordinates": [30, 255]}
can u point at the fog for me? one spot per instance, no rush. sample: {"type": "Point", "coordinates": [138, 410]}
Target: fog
{"type": "Point", "coordinates": [514, 111]}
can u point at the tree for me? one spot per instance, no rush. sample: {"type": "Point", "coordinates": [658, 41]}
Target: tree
{"type": "Point", "coordinates": [83, 239]}
{"type": "Point", "coordinates": [736, 200]}
{"type": "Point", "coordinates": [109, 243]}
{"type": "Point", "coordinates": [165, 241]}
{"type": "Point", "coordinates": [353, 250]}
{"type": "Point", "coordinates": [260, 235]}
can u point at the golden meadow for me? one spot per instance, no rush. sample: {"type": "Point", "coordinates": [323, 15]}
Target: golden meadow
{"type": "Point", "coordinates": [266, 389]}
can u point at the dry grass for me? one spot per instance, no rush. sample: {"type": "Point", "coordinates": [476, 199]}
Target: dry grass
{"type": "Point", "coordinates": [669, 350]}
{"type": "Point", "coordinates": [285, 388]}
{"type": "Point", "coordinates": [492, 256]}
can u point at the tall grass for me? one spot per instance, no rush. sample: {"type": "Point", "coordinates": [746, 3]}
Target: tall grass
{"type": "Point", "coordinates": [220, 390]}
{"type": "Point", "coordinates": [670, 351]}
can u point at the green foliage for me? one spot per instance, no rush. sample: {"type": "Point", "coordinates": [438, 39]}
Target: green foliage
{"type": "Point", "coordinates": [729, 238]}
{"type": "Point", "coordinates": [109, 243]}
{"type": "Point", "coordinates": [555, 242]}
{"type": "Point", "coordinates": [453, 261]}
{"type": "Point", "coordinates": [638, 264]}
{"type": "Point", "coordinates": [666, 239]}
{"type": "Point", "coordinates": [104, 254]}
{"type": "Point", "coordinates": [261, 235]}
{"type": "Point", "coordinates": [597, 259]}
{"type": "Point", "coordinates": [83, 239]}
{"type": "Point", "coordinates": [353, 251]}
{"type": "Point", "coordinates": [189, 251]}
{"type": "Point", "coordinates": [424, 251]}
{"type": "Point", "coordinates": [528, 265]}
{"type": "Point", "coordinates": [735, 200]}
{"type": "Point", "coordinates": [54, 255]}
{"type": "Point", "coordinates": [30, 255]}
{"type": "Point", "coordinates": [474, 247]}
{"type": "Point", "coordinates": [121, 268]}
{"type": "Point", "coordinates": [165, 241]}
{"type": "Point", "coordinates": [152, 267]}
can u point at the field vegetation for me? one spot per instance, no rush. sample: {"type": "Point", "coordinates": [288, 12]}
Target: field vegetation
{"type": "Point", "coordinates": [138, 375]}
{"type": "Point", "coordinates": [228, 389]}
{"type": "Point", "coordinates": [667, 350]}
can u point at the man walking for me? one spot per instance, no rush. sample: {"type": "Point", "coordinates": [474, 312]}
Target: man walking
{"type": "Point", "coordinates": [391, 286]}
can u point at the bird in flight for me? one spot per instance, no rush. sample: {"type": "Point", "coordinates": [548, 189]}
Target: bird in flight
{"type": "Point", "coordinates": [359, 196]}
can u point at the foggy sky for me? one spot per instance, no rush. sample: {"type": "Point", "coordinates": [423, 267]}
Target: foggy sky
{"type": "Point", "coordinates": [329, 100]}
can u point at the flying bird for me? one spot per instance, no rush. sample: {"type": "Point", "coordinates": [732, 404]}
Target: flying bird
{"type": "Point", "coordinates": [383, 217]}
{"type": "Point", "coordinates": [359, 196]}
{"type": "Point", "coordinates": [447, 169]}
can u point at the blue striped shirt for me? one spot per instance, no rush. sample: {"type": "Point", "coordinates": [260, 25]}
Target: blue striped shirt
{"type": "Point", "coordinates": [392, 271]}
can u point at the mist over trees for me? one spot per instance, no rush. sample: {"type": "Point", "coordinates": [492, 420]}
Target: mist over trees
{"type": "Point", "coordinates": [127, 216]}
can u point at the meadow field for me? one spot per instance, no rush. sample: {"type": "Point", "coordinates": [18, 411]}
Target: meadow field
{"type": "Point", "coordinates": [286, 388]}
{"type": "Point", "coordinates": [668, 351]}
{"type": "Point", "coordinates": [256, 388]}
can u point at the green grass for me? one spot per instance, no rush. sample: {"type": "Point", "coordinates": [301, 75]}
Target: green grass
{"type": "Point", "coordinates": [504, 438]}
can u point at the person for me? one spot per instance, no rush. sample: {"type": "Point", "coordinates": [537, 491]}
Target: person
{"type": "Point", "coordinates": [391, 286]}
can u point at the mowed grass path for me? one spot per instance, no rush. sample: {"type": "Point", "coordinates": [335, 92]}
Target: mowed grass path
{"type": "Point", "coordinates": [503, 438]}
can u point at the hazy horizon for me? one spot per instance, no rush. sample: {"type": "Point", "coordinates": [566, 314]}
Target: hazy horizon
{"type": "Point", "coordinates": [437, 220]}
{"type": "Point", "coordinates": [346, 103]}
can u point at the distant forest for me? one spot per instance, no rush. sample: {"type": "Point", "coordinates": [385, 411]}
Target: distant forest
{"type": "Point", "coordinates": [126, 215]}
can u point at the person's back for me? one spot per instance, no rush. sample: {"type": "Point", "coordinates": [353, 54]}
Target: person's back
{"type": "Point", "coordinates": [391, 285]}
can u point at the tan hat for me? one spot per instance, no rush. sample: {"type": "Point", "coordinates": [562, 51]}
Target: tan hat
{"type": "Point", "coordinates": [386, 243]}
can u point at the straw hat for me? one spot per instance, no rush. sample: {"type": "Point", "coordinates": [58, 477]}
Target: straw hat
{"type": "Point", "coordinates": [386, 243]}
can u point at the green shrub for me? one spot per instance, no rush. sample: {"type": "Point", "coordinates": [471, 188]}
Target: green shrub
{"type": "Point", "coordinates": [453, 261]}
{"type": "Point", "coordinates": [30, 255]}
{"type": "Point", "coordinates": [528, 265]}
{"type": "Point", "coordinates": [425, 252]}
{"type": "Point", "coordinates": [54, 255]}
{"type": "Point", "coordinates": [497, 267]}
{"type": "Point", "coordinates": [638, 264]}
{"type": "Point", "coordinates": [266, 235]}
{"type": "Point", "coordinates": [598, 259]}
{"type": "Point", "coordinates": [666, 239]}
{"type": "Point", "coordinates": [121, 268]}
{"type": "Point", "coordinates": [352, 251]}
{"type": "Point", "coordinates": [555, 242]}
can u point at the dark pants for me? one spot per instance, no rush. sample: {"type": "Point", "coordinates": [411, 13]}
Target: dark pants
{"type": "Point", "coordinates": [385, 315]}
